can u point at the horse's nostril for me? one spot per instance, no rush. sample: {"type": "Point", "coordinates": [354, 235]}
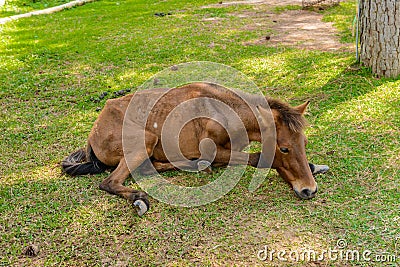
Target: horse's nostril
{"type": "Point", "coordinates": [307, 193]}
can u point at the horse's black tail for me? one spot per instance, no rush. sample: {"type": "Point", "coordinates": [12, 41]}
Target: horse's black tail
{"type": "Point", "coordinates": [79, 163]}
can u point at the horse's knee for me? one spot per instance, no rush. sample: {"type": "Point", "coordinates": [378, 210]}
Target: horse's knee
{"type": "Point", "coordinates": [254, 159]}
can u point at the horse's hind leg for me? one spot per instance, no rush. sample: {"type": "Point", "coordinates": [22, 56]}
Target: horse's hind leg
{"type": "Point", "coordinates": [114, 182]}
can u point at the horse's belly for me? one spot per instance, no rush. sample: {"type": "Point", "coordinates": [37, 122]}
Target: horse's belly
{"type": "Point", "coordinates": [174, 149]}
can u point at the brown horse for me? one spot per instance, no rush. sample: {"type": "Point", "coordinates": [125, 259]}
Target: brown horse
{"type": "Point", "coordinates": [129, 142]}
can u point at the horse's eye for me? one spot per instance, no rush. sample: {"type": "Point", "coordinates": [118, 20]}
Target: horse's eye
{"type": "Point", "coordinates": [284, 150]}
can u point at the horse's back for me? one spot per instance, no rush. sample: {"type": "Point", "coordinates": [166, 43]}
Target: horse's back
{"type": "Point", "coordinates": [148, 110]}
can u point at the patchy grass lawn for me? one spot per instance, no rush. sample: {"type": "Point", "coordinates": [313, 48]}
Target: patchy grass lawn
{"type": "Point", "coordinates": [15, 7]}
{"type": "Point", "coordinates": [52, 70]}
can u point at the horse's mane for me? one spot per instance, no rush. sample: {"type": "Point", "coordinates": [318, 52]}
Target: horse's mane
{"type": "Point", "coordinates": [289, 115]}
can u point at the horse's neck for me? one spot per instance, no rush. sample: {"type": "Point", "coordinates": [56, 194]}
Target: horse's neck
{"type": "Point", "coordinates": [246, 112]}
{"type": "Point", "coordinates": [248, 115]}
{"type": "Point", "coordinates": [249, 121]}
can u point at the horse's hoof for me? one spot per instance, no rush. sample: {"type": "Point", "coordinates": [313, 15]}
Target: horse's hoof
{"type": "Point", "coordinates": [320, 169]}
{"type": "Point", "coordinates": [141, 207]}
{"type": "Point", "coordinates": [204, 165]}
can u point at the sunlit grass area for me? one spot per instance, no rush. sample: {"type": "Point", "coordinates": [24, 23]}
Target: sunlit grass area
{"type": "Point", "coordinates": [53, 69]}
{"type": "Point", "coordinates": [15, 7]}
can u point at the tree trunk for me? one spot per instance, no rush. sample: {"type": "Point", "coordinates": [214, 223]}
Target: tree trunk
{"type": "Point", "coordinates": [380, 36]}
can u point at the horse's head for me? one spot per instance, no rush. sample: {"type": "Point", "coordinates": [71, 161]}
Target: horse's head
{"type": "Point", "coordinates": [290, 155]}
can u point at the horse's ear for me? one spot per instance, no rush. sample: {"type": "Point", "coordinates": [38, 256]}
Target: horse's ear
{"type": "Point", "coordinates": [302, 108]}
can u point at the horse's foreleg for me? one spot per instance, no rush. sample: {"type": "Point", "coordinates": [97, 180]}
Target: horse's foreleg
{"type": "Point", "coordinates": [149, 168]}
{"type": "Point", "coordinates": [222, 158]}
{"type": "Point", "coordinates": [231, 157]}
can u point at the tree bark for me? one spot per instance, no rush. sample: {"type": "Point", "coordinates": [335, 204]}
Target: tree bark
{"type": "Point", "coordinates": [380, 36]}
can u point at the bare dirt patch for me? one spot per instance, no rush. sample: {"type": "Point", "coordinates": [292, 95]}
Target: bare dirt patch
{"type": "Point", "coordinates": [302, 29]}
{"type": "Point", "coordinates": [259, 2]}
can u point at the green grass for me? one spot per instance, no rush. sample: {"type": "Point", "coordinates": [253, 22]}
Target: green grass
{"type": "Point", "coordinates": [50, 68]}
{"type": "Point", "coordinates": [280, 9]}
{"type": "Point", "coordinates": [15, 7]}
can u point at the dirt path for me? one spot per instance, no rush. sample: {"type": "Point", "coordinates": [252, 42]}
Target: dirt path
{"type": "Point", "coordinates": [259, 2]}
{"type": "Point", "coordinates": [296, 28]}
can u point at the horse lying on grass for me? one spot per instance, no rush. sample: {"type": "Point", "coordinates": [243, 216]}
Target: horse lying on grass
{"type": "Point", "coordinates": [110, 147]}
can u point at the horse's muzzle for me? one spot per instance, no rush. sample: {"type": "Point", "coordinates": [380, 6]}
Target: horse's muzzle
{"type": "Point", "coordinates": [306, 193]}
